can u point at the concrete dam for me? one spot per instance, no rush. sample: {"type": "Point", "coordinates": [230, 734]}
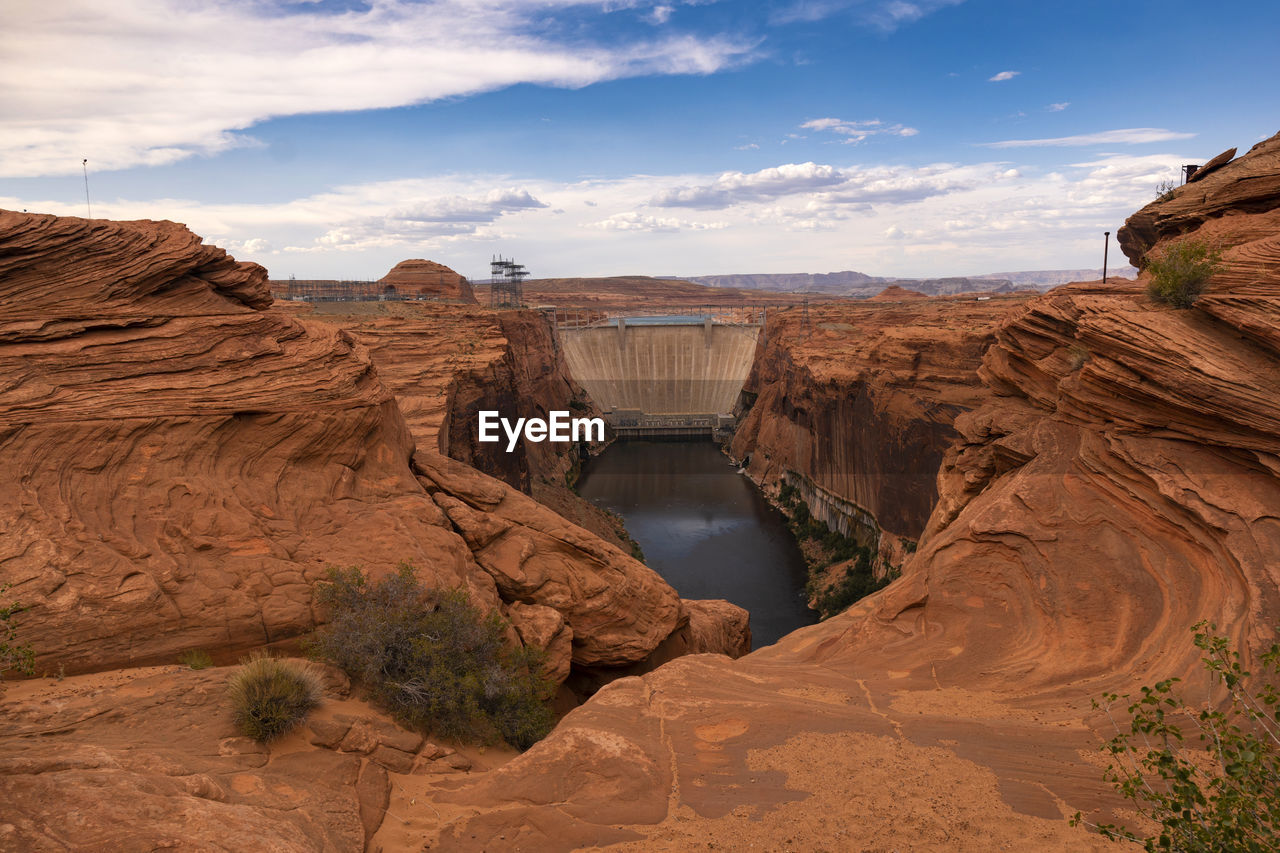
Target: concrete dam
{"type": "Point", "coordinates": [663, 376]}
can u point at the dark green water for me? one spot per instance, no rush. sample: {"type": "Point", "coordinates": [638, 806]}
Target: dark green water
{"type": "Point", "coordinates": [705, 528]}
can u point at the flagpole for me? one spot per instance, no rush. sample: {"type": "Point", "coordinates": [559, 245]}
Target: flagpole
{"type": "Point", "coordinates": [85, 165]}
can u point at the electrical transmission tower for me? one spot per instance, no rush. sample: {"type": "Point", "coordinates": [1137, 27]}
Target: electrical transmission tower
{"type": "Point", "coordinates": [506, 283]}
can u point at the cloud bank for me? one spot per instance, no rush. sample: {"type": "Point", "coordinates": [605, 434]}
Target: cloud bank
{"type": "Point", "coordinates": [74, 87]}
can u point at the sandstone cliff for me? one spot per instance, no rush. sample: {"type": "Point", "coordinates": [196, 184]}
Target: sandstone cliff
{"type": "Point", "coordinates": [856, 408]}
{"type": "Point", "coordinates": [446, 363]}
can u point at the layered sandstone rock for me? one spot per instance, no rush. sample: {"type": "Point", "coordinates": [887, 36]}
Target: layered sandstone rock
{"type": "Point", "coordinates": [149, 758]}
{"type": "Point", "coordinates": [856, 407]}
{"type": "Point", "coordinates": [185, 465]}
{"type": "Point", "coordinates": [447, 363]}
{"type": "Point", "coordinates": [1242, 187]}
{"type": "Point", "coordinates": [418, 277]}
{"type": "Point", "coordinates": [1116, 482]}
{"type": "Point", "coordinates": [617, 609]}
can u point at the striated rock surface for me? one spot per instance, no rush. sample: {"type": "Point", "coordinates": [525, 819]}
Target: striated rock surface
{"type": "Point", "coordinates": [418, 277]}
{"type": "Point", "coordinates": [185, 465]}
{"type": "Point", "coordinates": [1116, 482]}
{"type": "Point", "coordinates": [857, 409]}
{"type": "Point", "coordinates": [149, 759]}
{"type": "Point", "coordinates": [618, 609]}
{"type": "Point", "coordinates": [446, 363]}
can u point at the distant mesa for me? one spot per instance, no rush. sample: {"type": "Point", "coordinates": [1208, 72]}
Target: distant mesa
{"type": "Point", "coordinates": [894, 293]}
{"type": "Point", "coordinates": [862, 286]}
{"type": "Point", "coordinates": [419, 277]}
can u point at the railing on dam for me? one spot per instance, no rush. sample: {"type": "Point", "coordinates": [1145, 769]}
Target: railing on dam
{"type": "Point", "coordinates": [588, 317]}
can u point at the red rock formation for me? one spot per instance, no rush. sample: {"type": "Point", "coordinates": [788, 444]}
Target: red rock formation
{"type": "Point", "coordinates": [420, 277]}
{"type": "Point", "coordinates": [1248, 185]}
{"type": "Point", "coordinates": [1118, 483]}
{"type": "Point", "coordinates": [858, 410]}
{"type": "Point", "coordinates": [894, 293]}
{"type": "Point", "coordinates": [446, 363]}
{"type": "Point", "coordinates": [536, 557]}
{"type": "Point", "coordinates": [185, 465]}
{"type": "Point", "coordinates": [147, 759]}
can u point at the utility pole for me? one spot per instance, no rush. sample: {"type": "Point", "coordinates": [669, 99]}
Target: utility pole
{"type": "Point", "coordinates": [85, 165]}
{"type": "Point", "coordinates": [1106, 244]}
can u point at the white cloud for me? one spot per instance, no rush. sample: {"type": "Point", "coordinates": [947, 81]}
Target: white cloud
{"type": "Point", "coordinates": [1057, 108]}
{"type": "Point", "coordinates": [660, 15]}
{"type": "Point", "coordinates": [1002, 76]}
{"type": "Point", "coordinates": [1127, 136]}
{"type": "Point", "coordinates": [750, 146]}
{"type": "Point", "coordinates": [885, 16]}
{"type": "Point", "coordinates": [731, 188]}
{"type": "Point", "coordinates": [831, 184]}
{"type": "Point", "coordinates": [74, 86]}
{"type": "Point", "coordinates": [857, 131]}
{"type": "Point", "coordinates": [633, 221]}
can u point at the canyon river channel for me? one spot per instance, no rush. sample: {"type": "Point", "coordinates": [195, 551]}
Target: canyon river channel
{"type": "Point", "coordinates": [705, 528]}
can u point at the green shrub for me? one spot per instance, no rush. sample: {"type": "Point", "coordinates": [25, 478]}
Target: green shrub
{"type": "Point", "coordinates": [13, 655]}
{"type": "Point", "coordinates": [1165, 190]}
{"type": "Point", "coordinates": [433, 659]}
{"type": "Point", "coordinates": [195, 659]}
{"type": "Point", "coordinates": [269, 696]}
{"type": "Point", "coordinates": [1221, 792]}
{"type": "Point", "coordinates": [1182, 272]}
{"type": "Point", "coordinates": [858, 582]}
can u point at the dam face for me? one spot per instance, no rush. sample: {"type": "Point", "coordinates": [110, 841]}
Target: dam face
{"type": "Point", "coordinates": [663, 377]}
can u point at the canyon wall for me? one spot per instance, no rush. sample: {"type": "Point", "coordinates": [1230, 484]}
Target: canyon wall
{"type": "Point", "coordinates": [855, 408]}
{"type": "Point", "coordinates": [1115, 481]}
{"type": "Point", "coordinates": [445, 363]}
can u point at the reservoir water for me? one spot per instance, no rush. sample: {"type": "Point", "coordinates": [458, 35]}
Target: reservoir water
{"type": "Point", "coordinates": [705, 528]}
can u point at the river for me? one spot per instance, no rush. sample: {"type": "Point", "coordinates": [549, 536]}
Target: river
{"type": "Point", "coordinates": [705, 528]}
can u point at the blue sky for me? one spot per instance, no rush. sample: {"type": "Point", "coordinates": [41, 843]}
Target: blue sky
{"type": "Point", "coordinates": [333, 139]}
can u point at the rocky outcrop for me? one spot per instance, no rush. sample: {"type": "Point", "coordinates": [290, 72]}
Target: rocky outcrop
{"type": "Point", "coordinates": [1115, 482]}
{"type": "Point", "coordinates": [1247, 186]}
{"type": "Point", "coordinates": [185, 465]}
{"type": "Point", "coordinates": [420, 277]}
{"type": "Point", "coordinates": [446, 363]}
{"type": "Point", "coordinates": [617, 609]}
{"type": "Point", "coordinates": [856, 409]}
{"type": "Point", "coordinates": [149, 759]}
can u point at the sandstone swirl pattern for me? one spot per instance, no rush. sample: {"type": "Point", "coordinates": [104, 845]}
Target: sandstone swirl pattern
{"type": "Point", "coordinates": [183, 465]}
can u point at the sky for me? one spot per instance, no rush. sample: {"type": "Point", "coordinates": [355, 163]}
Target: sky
{"type": "Point", "coordinates": [914, 138]}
